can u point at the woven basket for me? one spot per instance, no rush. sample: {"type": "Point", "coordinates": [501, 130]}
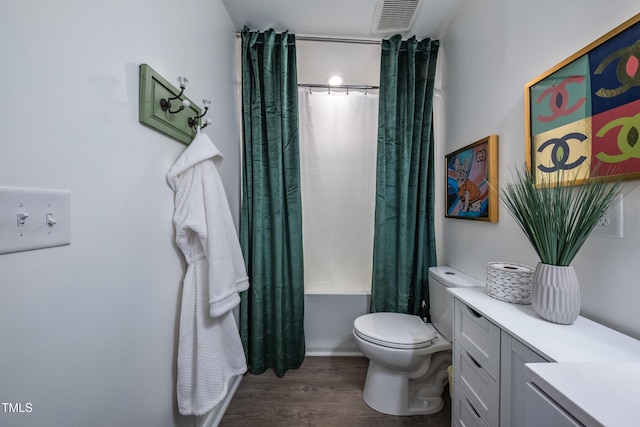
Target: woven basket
{"type": "Point", "coordinates": [509, 282]}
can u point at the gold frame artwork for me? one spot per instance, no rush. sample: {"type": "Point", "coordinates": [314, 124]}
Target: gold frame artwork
{"type": "Point", "coordinates": [471, 181]}
{"type": "Point", "coordinates": [582, 116]}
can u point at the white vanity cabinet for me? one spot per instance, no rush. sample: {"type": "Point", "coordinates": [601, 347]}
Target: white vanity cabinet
{"type": "Point", "coordinates": [488, 371]}
{"type": "Point", "coordinates": [541, 410]}
{"type": "Point", "coordinates": [513, 356]}
{"type": "Point", "coordinates": [476, 361]}
{"type": "Point", "coordinates": [513, 369]}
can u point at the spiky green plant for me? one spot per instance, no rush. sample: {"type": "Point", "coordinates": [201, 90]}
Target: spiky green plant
{"type": "Point", "coordinates": [557, 219]}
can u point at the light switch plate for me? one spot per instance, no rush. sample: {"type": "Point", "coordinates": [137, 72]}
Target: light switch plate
{"type": "Point", "coordinates": [34, 219]}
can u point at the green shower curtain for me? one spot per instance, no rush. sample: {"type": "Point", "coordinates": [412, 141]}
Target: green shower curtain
{"type": "Point", "coordinates": [404, 236]}
{"type": "Point", "coordinates": [272, 310]}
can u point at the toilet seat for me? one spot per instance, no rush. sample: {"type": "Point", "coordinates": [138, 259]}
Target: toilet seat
{"type": "Point", "coordinates": [396, 330]}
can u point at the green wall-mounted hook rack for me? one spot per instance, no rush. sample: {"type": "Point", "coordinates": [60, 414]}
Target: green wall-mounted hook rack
{"type": "Point", "coordinates": [153, 88]}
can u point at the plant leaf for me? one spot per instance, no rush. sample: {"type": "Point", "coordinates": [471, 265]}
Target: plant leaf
{"type": "Point", "coordinates": [557, 219]}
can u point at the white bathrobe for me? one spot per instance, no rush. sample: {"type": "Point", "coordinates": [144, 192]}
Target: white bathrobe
{"type": "Point", "coordinates": [210, 351]}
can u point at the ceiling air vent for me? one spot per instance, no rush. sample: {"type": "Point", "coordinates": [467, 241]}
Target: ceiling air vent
{"type": "Point", "coordinates": [394, 15]}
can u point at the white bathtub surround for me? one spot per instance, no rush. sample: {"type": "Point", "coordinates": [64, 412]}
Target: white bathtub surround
{"type": "Point", "coordinates": [328, 322]}
{"type": "Point", "coordinates": [338, 135]}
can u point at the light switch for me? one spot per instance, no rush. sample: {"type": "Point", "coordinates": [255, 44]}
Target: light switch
{"type": "Point", "coordinates": [34, 219]}
{"type": "Point", "coordinates": [22, 219]}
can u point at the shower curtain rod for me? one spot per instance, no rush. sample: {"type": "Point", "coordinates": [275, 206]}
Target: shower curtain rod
{"type": "Point", "coordinates": [338, 40]}
{"type": "Point", "coordinates": [332, 39]}
{"type": "Point", "coordinates": [328, 86]}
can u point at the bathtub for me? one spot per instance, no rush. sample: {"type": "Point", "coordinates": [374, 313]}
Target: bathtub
{"type": "Point", "coordinates": [328, 321]}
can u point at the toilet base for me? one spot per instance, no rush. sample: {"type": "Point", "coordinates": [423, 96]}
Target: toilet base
{"type": "Point", "coordinates": [393, 393]}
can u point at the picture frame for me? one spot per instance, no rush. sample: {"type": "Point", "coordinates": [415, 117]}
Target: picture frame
{"type": "Point", "coordinates": [582, 116]}
{"type": "Point", "coordinates": [471, 181]}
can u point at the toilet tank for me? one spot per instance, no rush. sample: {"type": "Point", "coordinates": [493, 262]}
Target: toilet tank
{"type": "Point", "coordinates": [441, 301]}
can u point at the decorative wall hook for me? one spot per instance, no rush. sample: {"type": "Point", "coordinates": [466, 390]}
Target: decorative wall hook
{"type": "Point", "coordinates": [165, 103]}
{"type": "Point", "coordinates": [193, 121]}
{"type": "Point", "coordinates": [153, 87]}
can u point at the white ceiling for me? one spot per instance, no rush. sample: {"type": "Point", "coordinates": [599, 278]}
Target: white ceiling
{"type": "Point", "coordinates": [335, 18]}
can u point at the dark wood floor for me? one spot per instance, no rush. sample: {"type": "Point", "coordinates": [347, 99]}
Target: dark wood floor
{"type": "Point", "coordinates": [324, 391]}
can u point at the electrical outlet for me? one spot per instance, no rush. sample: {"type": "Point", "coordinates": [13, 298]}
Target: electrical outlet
{"type": "Point", "coordinates": [610, 223]}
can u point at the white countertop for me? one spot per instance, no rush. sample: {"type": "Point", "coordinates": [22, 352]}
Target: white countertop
{"type": "Point", "coordinates": [597, 378]}
{"type": "Point", "coordinates": [583, 341]}
{"type": "Point", "coordinates": [597, 394]}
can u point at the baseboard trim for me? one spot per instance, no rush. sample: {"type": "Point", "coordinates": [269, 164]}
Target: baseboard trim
{"type": "Point", "coordinates": [213, 417]}
{"type": "Point", "coordinates": [348, 353]}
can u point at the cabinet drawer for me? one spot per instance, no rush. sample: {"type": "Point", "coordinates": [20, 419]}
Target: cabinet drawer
{"type": "Point", "coordinates": [463, 412]}
{"type": "Point", "coordinates": [478, 336]}
{"type": "Point", "coordinates": [480, 388]}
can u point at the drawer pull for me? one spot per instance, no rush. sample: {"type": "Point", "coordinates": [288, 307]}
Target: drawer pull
{"type": "Point", "coordinates": [471, 406]}
{"type": "Point", "coordinates": [475, 313]}
{"type": "Point", "coordinates": [475, 362]}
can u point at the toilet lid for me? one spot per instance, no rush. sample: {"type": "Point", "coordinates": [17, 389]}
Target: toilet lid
{"type": "Point", "coordinates": [395, 330]}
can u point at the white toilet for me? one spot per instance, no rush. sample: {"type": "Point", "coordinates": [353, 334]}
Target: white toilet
{"type": "Point", "coordinates": [408, 358]}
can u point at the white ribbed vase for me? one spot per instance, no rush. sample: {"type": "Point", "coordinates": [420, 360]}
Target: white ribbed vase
{"type": "Point", "coordinates": [556, 293]}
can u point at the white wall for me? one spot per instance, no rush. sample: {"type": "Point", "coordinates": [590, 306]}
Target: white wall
{"type": "Point", "coordinates": [490, 51]}
{"type": "Point", "coordinates": [88, 332]}
{"type": "Point", "coordinates": [359, 64]}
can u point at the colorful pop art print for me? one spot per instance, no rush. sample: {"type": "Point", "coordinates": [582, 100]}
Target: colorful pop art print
{"type": "Point", "coordinates": [582, 117]}
{"type": "Point", "coordinates": [472, 181]}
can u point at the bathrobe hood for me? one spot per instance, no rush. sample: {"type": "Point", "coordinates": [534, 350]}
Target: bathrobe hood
{"type": "Point", "coordinates": [200, 149]}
